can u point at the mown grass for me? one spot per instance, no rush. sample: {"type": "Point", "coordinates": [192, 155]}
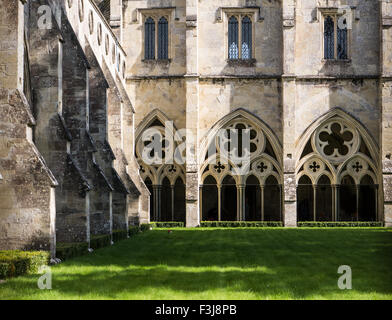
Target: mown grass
{"type": "Point", "coordinates": [273, 263]}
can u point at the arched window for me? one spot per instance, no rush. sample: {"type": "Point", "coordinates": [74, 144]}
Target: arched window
{"type": "Point", "coordinates": [246, 46]}
{"type": "Point", "coordinates": [272, 200]}
{"type": "Point", "coordinates": [253, 199]}
{"type": "Point", "coordinates": [367, 200]}
{"type": "Point", "coordinates": [209, 199]}
{"type": "Point", "coordinates": [163, 39]}
{"type": "Point", "coordinates": [233, 38]}
{"type": "Point", "coordinates": [324, 199]}
{"type": "Point", "coordinates": [235, 190]}
{"type": "Point", "coordinates": [348, 200]}
{"type": "Point", "coordinates": [314, 201]}
{"type": "Point", "coordinates": [179, 213]}
{"type": "Point", "coordinates": [329, 38]}
{"type": "Point", "coordinates": [165, 180]}
{"type": "Point", "coordinates": [166, 201]}
{"type": "Point", "coordinates": [148, 184]}
{"type": "Point", "coordinates": [149, 39]}
{"type": "Point", "coordinates": [305, 199]}
{"type": "Point", "coordinates": [229, 199]}
{"type": "Point", "coordinates": [341, 170]}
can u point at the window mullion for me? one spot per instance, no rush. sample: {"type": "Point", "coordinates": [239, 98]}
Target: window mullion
{"type": "Point", "coordinates": [240, 37]}
{"type": "Point", "coordinates": [156, 38]}
{"type": "Point", "coordinates": [335, 37]}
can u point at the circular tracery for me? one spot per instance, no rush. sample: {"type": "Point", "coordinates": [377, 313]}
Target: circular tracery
{"type": "Point", "coordinates": [240, 151]}
{"type": "Point", "coordinates": [158, 155]}
{"type": "Point", "coordinates": [336, 176]}
{"type": "Point", "coordinates": [239, 139]}
{"type": "Point", "coordinates": [336, 141]}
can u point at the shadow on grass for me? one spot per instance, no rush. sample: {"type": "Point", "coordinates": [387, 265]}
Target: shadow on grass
{"type": "Point", "coordinates": [258, 263]}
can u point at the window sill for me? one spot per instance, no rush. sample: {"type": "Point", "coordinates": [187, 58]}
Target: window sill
{"type": "Point", "coordinates": [241, 62]}
{"type": "Point", "coordinates": [335, 61]}
{"type": "Point", "coordinates": [157, 61]}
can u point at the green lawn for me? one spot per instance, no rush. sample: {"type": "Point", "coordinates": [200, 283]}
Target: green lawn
{"type": "Point", "coordinates": [228, 264]}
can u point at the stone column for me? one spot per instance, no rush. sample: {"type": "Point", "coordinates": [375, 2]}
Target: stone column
{"type": "Point", "coordinates": [238, 204]}
{"type": "Point", "coordinates": [337, 202]}
{"type": "Point", "coordinates": [289, 186]}
{"type": "Point", "coordinates": [357, 189]}
{"type": "Point", "coordinates": [156, 190]}
{"type": "Point", "coordinates": [314, 202]}
{"type": "Point", "coordinates": [159, 204]}
{"type": "Point", "coordinates": [192, 116]}
{"type": "Point", "coordinates": [172, 202]}
{"type": "Point", "coordinates": [154, 203]}
{"type": "Point", "coordinates": [386, 107]}
{"type": "Point", "coordinates": [219, 187]}
{"type": "Point", "coordinates": [201, 201]}
{"type": "Point", "coordinates": [262, 202]}
{"type": "Point", "coordinates": [241, 202]}
{"type": "Point", "coordinates": [288, 115]}
{"type": "Point", "coordinates": [376, 204]}
{"type": "Point", "coordinates": [334, 199]}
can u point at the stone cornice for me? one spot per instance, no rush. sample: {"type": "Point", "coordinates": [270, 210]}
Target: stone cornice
{"type": "Point", "coordinates": [258, 76]}
{"type": "Point", "coordinates": [340, 77]}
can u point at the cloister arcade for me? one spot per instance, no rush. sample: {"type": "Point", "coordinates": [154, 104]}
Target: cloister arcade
{"type": "Point", "coordinates": [336, 171]}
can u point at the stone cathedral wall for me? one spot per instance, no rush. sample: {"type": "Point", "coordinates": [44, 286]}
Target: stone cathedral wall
{"type": "Point", "coordinates": [73, 96]}
{"type": "Point", "coordinates": [67, 168]}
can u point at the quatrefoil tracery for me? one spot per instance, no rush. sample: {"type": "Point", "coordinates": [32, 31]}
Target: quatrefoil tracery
{"type": "Point", "coordinates": [357, 167]}
{"type": "Point", "coordinates": [262, 167]}
{"type": "Point", "coordinates": [314, 168]}
{"type": "Point", "coordinates": [219, 167]}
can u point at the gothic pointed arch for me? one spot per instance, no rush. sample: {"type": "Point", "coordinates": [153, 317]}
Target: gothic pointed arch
{"type": "Point", "coordinates": [345, 118]}
{"type": "Point", "coordinates": [155, 116]}
{"type": "Point", "coordinates": [161, 164]}
{"type": "Point", "coordinates": [337, 154]}
{"type": "Point", "coordinates": [244, 158]}
{"type": "Point", "coordinates": [262, 139]}
{"type": "Point", "coordinates": [156, 125]}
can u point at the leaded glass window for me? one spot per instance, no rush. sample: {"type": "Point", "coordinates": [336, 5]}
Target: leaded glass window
{"type": "Point", "coordinates": [163, 39]}
{"type": "Point", "coordinates": [342, 41]}
{"type": "Point", "coordinates": [246, 47]}
{"type": "Point", "coordinates": [149, 39]}
{"type": "Point", "coordinates": [233, 38]}
{"type": "Point", "coordinates": [335, 38]}
{"type": "Point", "coordinates": [329, 47]}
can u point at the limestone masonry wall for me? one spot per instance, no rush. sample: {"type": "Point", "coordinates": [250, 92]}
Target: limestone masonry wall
{"type": "Point", "coordinates": [76, 89]}
{"type": "Point", "coordinates": [60, 177]}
